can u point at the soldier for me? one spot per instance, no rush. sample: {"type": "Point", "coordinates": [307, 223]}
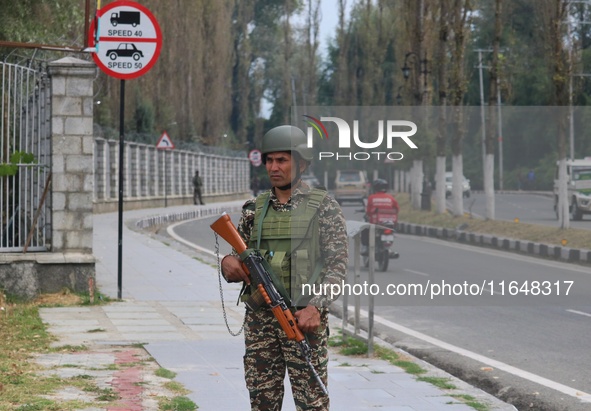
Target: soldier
{"type": "Point", "coordinates": [197, 185]}
{"type": "Point", "coordinates": [311, 250]}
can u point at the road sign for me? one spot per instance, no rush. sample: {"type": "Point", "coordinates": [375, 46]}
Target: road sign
{"type": "Point", "coordinates": [129, 39]}
{"type": "Point", "coordinates": [164, 143]}
{"type": "Point", "coordinates": [255, 157]}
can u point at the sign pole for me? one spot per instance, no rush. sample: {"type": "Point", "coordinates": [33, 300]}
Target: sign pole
{"type": "Point", "coordinates": [121, 147]}
{"type": "Point", "coordinates": [165, 144]}
{"type": "Point", "coordinates": [165, 184]}
{"type": "Point", "coordinates": [127, 43]}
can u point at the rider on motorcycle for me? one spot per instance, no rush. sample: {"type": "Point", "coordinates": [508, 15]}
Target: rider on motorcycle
{"type": "Point", "coordinates": [382, 208]}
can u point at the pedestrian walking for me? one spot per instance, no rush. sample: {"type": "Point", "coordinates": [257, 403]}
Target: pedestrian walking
{"type": "Point", "coordinates": [197, 186]}
{"type": "Point", "coordinates": [254, 185]}
{"type": "Point", "coordinates": [531, 179]}
{"type": "Point", "coordinates": [301, 232]}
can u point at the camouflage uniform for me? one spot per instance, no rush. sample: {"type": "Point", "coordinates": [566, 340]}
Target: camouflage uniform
{"type": "Point", "coordinates": [268, 352]}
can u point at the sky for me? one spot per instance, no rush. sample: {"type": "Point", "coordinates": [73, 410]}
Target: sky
{"type": "Point", "coordinates": [330, 18]}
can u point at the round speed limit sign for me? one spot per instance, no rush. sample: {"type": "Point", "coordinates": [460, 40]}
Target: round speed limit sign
{"type": "Point", "coordinates": [129, 39]}
{"type": "Point", "coordinates": [255, 157]}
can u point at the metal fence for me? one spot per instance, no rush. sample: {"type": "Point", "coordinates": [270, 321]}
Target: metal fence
{"type": "Point", "coordinates": [25, 159]}
{"type": "Point", "coordinates": [152, 173]}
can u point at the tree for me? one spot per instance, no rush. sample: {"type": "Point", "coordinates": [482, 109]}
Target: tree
{"type": "Point", "coordinates": [460, 21]}
{"type": "Point", "coordinates": [491, 125]}
{"type": "Point", "coordinates": [441, 136]}
{"type": "Point", "coordinates": [243, 57]}
{"type": "Point", "coordinates": [553, 14]}
{"type": "Point", "coordinates": [415, 60]}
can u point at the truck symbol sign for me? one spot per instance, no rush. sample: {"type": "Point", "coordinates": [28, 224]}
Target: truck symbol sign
{"type": "Point", "coordinates": [123, 51]}
{"type": "Point", "coordinates": [125, 17]}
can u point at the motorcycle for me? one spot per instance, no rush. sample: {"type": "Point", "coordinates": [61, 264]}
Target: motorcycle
{"type": "Point", "coordinates": [384, 239]}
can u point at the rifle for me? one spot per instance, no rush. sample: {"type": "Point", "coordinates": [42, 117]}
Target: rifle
{"type": "Point", "coordinates": [254, 266]}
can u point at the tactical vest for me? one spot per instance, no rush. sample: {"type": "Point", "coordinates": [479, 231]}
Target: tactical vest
{"type": "Point", "coordinates": [290, 242]}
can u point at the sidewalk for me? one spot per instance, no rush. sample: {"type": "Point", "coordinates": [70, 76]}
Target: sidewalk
{"type": "Point", "coordinates": [171, 303]}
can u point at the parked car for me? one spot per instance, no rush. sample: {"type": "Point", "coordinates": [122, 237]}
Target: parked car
{"type": "Point", "coordinates": [125, 50]}
{"type": "Point", "coordinates": [351, 185]}
{"type": "Point", "coordinates": [449, 184]}
{"type": "Point", "coordinates": [578, 186]}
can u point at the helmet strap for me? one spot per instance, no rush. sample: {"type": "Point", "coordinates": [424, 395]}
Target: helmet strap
{"type": "Point", "coordinates": [296, 179]}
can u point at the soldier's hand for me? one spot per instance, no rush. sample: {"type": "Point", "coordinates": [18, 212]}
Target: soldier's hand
{"type": "Point", "coordinates": [308, 319]}
{"type": "Point", "coordinates": [233, 270]}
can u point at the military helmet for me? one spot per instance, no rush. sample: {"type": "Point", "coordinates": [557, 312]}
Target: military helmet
{"type": "Point", "coordinates": [380, 185]}
{"type": "Point", "coordinates": [287, 138]}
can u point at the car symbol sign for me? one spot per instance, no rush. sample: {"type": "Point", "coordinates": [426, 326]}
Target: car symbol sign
{"type": "Point", "coordinates": [129, 39]}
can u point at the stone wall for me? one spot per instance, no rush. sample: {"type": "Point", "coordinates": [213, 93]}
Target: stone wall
{"type": "Point", "coordinates": [70, 262]}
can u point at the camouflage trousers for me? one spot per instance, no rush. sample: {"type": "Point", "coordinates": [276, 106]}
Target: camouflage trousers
{"type": "Point", "coordinates": [269, 354]}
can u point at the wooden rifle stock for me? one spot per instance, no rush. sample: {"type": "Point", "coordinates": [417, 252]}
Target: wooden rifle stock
{"type": "Point", "coordinates": [224, 227]}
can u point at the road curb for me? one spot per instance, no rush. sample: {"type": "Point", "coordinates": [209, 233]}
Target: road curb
{"type": "Point", "coordinates": [555, 252]}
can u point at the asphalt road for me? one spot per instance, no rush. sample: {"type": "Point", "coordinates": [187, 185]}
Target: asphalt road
{"type": "Point", "coordinates": [540, 349]}
{"type": "Point", "coordinates": [549, 341]}
{"type": "Point", "coordinates": [528, 208]}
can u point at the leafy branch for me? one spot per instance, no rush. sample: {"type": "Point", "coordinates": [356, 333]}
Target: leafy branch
{"type": "Point", "coordinates": [17, 158]}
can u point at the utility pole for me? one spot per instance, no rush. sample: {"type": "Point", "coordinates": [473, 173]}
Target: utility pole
{"type": "Point", "coordinates": [482, 115]}
{"type": "Point", "coordinates": [500, 130]}
{"type": "Point", "coordinates": [293, 97]}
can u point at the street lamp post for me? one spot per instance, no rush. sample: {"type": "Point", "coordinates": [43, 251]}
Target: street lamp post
{"type": "Point", "coordinates": [419, 90]}
{"type": "Point", "coordinates": [421, 67]}
{"type": "Point", "coordinates": [399, 97]}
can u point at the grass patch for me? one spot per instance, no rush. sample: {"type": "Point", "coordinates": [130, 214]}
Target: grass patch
{"type": "Point", "coordinates": [23, 333]}
{"type": "Point", "coordinates": [396, 359]}
{"type": "Point", "coordinates": [37, 405]}
{"type": "Point", "coordinates": [471, 402]}
{"type": "Point", "coordinates": [410, 367]}
{"type": "Point", "coordinates": [575, 238]}
{"type": "Point", "coordinates": [64, 298]}
{"type": "Point", "coordinates": [348, 345]}
{"type": "Point", "coordinates": [68, 348]}
{"type": "Point", "coordinates": [106, 394]}
{"type": "Point", "coordinates": [443, 383]}
{"type": "Point", "coordinates": [176, 387]}
{"type": "Point", "coordinates": [164, 373]}
{"type": "Point", "coordinates": [177, 404]}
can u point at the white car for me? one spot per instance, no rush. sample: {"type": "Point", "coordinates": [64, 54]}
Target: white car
{"type": "Point", "coordinates": [448, 185]}
{"type": "Point", "coordinates": [351, 185]}
{"type": "Point", "coordinates": [578, 188]}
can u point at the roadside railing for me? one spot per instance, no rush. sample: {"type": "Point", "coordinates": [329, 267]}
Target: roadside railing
{"type": "Point", "coordinates": [25, 159]}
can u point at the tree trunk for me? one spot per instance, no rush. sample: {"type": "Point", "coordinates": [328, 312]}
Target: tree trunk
{"type": "Point", "coordinates": [440, 203]}
{"type": "Point", "coordinates": [492, 132]}
{"type": "Point", "coordinates": [460, 16]}
{"type": "Point", "coordinates": [554, 13]}
{"type": "Point", "coordinates": [416, 183]}
{"type": "Point", "coordinates": [457, 184]}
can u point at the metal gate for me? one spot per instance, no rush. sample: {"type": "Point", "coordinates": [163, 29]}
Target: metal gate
{"type": "Point", "coordinates": [25, 159]}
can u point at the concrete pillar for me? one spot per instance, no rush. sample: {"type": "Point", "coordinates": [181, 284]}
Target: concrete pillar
{"type": "Point", "coordinates": [72, 154]}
